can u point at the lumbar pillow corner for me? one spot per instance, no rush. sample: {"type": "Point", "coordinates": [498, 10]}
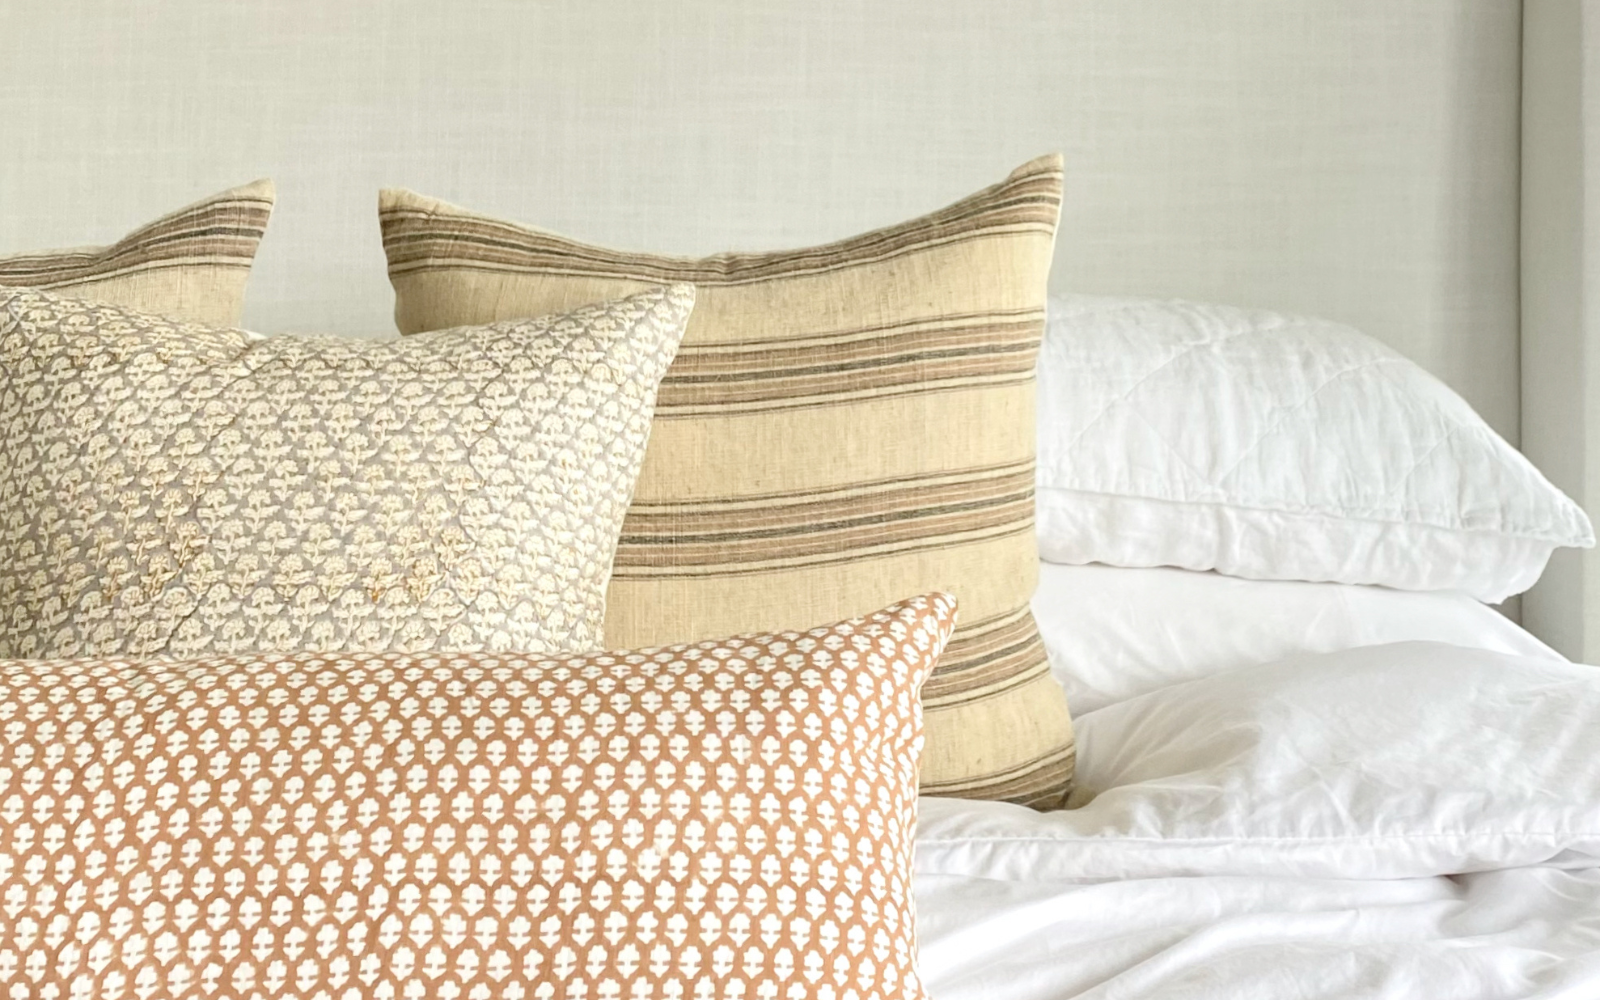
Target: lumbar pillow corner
{"type": "Point", "coordinates": [1277, 447]}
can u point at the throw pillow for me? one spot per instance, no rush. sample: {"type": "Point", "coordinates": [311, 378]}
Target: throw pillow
{"type": "Point", "coordinates": [844, 423]}
{"type": "Point", "coordinates": [179, 490]}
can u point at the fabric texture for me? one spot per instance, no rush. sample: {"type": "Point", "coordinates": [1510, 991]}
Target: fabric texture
{"type": "Point", "coordinates": [844, 423]}
{"type": "Point", "coordinates": [1114, 633]}
{"type": "Point", "coordinates": [1277, 447]}
{"type": "Point", "coordinates": [176, 490]}
{"type": "Point", "coordinates": [1389, 823]}
{"type": "Point", "coordinates": [1408, 760]}
{"type": "Point", "coordinates": [191, 265]}
{"type": "Point", "coordinates": [724, 819]}
{"type": "Point", "coordinates": [1557, 329]}
{"type": "Point", "coordinates": [1520, 932]}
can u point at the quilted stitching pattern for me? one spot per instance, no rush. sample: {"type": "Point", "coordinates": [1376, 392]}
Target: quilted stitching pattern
{"type": "Point", "coordinates": [1192, 403]}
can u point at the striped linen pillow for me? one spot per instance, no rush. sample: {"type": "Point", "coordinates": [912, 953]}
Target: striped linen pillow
{"type": "Point", "coordinates": [190, 265]}
{"type": "Point", "coordinates": [843, 424]}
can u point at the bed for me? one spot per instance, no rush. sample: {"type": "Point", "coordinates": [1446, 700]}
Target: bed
{"type": "Point", "coordinates": [1357, 779]}
{"type": "Point", "coordinates": [1284, 788]}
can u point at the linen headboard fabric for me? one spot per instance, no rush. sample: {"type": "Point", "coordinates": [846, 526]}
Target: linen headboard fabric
{"type": "Point", "coordinates": [1353, 159]}
{"type": "Point", "coordinates": [1560, 271]}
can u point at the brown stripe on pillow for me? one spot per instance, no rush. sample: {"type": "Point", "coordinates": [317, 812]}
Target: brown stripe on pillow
{"type": "Point", "coordinates": [823, 527]}
{"type": "Point", "coordinates": [843, 424]}
{"type": "Point", "coordinates": [190, 265]}
{"type": "Point", "coordinates": [995, 655]}
{"type": "Point", "coordinates": [908, 359]}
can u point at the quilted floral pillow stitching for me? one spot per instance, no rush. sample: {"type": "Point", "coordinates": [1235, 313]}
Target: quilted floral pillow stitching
{"type": "Point", "coordinates": [725, 819]}
{"type": "Point", "coordinates": [169, 489]}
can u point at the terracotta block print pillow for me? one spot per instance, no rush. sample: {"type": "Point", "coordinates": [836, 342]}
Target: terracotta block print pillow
{"type": "Point", "coordinates": [178, 490]}
{"type": "Point", "coordinates": [191, 265]}
{"type": "Point", "coordinates": [843, 424]}
{"type": "Point", "coordinates": [725, 819]}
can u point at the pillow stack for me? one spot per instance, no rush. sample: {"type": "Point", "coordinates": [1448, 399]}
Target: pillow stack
{"type": "Point", "coordinates": [316, 617]}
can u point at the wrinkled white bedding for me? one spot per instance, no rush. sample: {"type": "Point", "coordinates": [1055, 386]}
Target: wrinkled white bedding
{"type": "Point", "coordinates": [1524, 932]}
{"type": "Point", "coordinates": [1296, 829]}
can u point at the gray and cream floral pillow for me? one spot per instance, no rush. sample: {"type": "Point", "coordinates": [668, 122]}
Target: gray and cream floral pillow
{"type": "Point", "coordinates": [176, 490]}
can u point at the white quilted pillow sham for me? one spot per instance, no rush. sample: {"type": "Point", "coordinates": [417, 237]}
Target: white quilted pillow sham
{"type": "Point", "coordinates": [1276, 447]}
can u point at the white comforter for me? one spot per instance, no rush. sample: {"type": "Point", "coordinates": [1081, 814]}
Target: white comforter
{"type": "Point", "coordinates": [1415, 820]}
{"type": "Point", "coordinates": [1522, 932]}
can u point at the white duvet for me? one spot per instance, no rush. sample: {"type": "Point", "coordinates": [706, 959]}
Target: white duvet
{"type": "Point", "coordinates": [1414, 820]}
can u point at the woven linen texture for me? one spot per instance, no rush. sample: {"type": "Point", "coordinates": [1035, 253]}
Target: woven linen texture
{"type": "Point", "coordinates": [844, 424]}
{"type": "Point", "coordinates": [191, 264]}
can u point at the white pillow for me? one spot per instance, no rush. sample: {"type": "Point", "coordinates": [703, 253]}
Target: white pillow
{"type": "Point", "coordinates": [1278, 448]}
{"type": "Point", "coordinates": [1113, 633]}
{"type": "Point", "coordinates": [1396, 761]}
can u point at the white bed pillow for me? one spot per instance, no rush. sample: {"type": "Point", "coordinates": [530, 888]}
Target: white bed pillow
{"type": "Point", "coordinates": [1113, 633]}
{"type": "Point", "coordinates": [1278, 448]}
{"type": "Point", "coordinates": [1397, 761]}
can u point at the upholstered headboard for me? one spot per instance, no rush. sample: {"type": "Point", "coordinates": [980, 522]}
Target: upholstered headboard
{"type": "Point", "coordinates": [1353, 158]}
{"type": "Point", "coordinates": [1356, 159]}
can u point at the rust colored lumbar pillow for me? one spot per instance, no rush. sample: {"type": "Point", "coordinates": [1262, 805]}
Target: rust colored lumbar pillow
{"type": "Point", "coordinates": [191, 264]}
{"type": "Point", "coordinates": [843, 424]}
{"type": "Point", "coordinates": [725, 819]}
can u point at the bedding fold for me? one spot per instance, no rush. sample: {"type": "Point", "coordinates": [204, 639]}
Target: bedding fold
{"type": "Point", "coordinates": [1524, 934]}
{"type": "Point", "coordinates": [1413, 821]}
{"type": "Point", "coordinates": [1407, 760]}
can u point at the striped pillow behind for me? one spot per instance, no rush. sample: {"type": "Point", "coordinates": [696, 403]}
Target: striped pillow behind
{"type": "Point", "coordinates": [190, 265]}
{"type": "Point", "coordinates": [844, 424]}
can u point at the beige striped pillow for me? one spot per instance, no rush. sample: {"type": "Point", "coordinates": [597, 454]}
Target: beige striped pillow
{"type": "Point", "coordinates": [190, 265]}
{"type": "Point", "coordinates": [844, 424]}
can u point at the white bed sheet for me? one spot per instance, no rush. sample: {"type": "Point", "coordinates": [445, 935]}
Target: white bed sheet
{"type": "Point", "coordinates": [1293, 830]}
{"type": "Point", "coordinates": [1521, 933]}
